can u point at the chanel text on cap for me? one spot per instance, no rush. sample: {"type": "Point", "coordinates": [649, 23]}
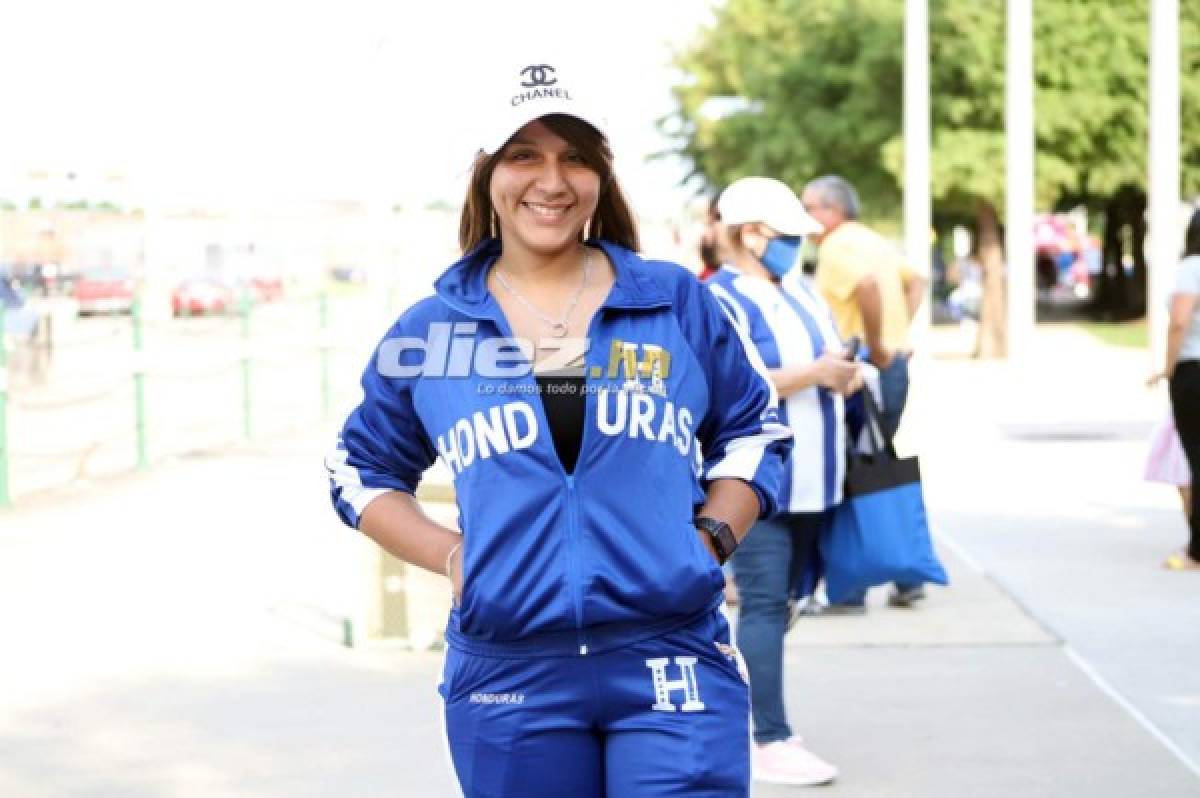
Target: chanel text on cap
{"type": "Point", "coordinates": [531, 90]}
{"type": "Point", "coordinates": [766, 200]}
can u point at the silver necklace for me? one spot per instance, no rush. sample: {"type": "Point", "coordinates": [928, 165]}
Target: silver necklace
{"type": "Point", "coordinates": [557, 328]}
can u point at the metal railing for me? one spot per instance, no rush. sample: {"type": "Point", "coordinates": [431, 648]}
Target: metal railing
{"type": "Point", "coordinates": [268, 369]}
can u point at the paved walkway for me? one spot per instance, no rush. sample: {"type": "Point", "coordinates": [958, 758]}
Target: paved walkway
{"type": "Point", "coordinates": [178, 633]}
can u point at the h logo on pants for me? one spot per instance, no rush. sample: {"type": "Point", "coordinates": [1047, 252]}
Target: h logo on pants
{"type": "Point", "coordinates": [663, 686]}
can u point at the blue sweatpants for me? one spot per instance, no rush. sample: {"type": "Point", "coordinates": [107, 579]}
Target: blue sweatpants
{"type": "Point", "coordinates": [666, 716]}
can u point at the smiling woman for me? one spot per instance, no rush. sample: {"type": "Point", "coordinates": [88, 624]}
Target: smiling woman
{"type": "Point", "coordinates": [560, 164]}
{"type": "Point", "coordinates": [599, 492]}
{"type": "Point", "coordinates": [543, 191]}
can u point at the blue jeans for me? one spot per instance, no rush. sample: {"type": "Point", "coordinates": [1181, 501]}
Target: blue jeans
{"type": "Point", "coordinates": [893, 384]}
{"type": "Point", "coordinates": [766, 565]}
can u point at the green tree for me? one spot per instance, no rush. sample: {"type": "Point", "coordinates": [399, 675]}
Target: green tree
{"type": "Point", "coordinates": [821, 81]}
{"type": "Point", "coordinates": [1092, 76]}
{"type": "Point", "coordinates": [967, 177]}
{"type": "Point", "coordinates": [821, 84]}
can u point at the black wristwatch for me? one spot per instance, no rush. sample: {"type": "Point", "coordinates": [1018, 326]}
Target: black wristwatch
{"type": "Point", "coordinates": [721, 535]}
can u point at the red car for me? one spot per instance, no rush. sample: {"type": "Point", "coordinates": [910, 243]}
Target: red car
{"type": "Point", "coordinates": [200, 296]}
{"type": "Point", "coordinates": [265, 288]}
{"type": "Point", "coordinates": [104, 291]}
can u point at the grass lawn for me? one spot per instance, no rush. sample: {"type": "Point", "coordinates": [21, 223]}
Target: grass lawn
{"type": "Point", "coordinates": [1125, 333]}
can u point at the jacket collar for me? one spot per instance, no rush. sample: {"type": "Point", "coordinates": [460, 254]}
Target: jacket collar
{"type": "Point", "coordinates": [464, 285]}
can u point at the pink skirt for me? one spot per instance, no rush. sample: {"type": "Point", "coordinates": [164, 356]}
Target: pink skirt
{"type": "Point", "coordinates": [1166, 461]}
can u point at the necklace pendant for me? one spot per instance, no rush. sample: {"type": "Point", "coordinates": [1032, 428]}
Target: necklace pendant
{"type": "Point", "coordinates": [558, 329]}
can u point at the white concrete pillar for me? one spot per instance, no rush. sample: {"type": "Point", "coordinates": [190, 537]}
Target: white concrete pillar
{"type": "Point", "coordinates": [1164, 238]}
{"type": "Point", "coordinates": [918, 205]}
{"type": "Point", "coordinates": [1018, 217]}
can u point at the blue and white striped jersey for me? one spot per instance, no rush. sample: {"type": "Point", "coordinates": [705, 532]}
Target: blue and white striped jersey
{"type": "Point", "coordinates": [791, 325]}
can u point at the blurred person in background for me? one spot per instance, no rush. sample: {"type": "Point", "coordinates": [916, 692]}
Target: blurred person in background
{"type": "Point", "coordinates": [792, 331]}
{"type": "Point", "coordinates": [1166, 462]}
{"type": "Point", "coordinates": [586, 653]}
{"type": "Point", "coordinates": [713, 251]}
{"type": "Point", "coordinates": [874, 293]}
{"type": "Point", "coordinates": [1182, 370]}
{"type": "Point", "coordinates": [711, 248]}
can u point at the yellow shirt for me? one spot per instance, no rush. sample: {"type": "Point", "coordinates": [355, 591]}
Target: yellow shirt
{"type": "Point", "coordinates": [847, 255]}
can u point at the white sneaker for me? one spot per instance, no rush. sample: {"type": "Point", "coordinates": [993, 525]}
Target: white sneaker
{"type": "Point", "coordinates": [789, 762]}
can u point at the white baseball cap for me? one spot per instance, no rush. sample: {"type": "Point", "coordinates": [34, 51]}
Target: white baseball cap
{"type": "Point", "coordinates": [766, 200]}
{"type": "Point", "coordinates": [529, 91]}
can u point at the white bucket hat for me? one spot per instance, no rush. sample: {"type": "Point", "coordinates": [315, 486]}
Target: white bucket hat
{"type": "Point", "coordinates": [529, 91]}
{"type": "Point", "coordinates": [766, 200]}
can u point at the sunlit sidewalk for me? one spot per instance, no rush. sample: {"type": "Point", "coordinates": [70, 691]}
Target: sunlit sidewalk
{"type": "Point", "coordinates": [178, 633]}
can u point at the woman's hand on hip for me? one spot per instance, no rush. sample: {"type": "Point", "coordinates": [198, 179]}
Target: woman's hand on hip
{"type": "Point", "coordinates": [454, 571]}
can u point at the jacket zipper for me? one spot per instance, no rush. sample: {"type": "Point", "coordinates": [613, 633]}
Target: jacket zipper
{"type": "Point", "coordinates": [573, 533]}
{"type": "Point", "coordinates": [573, 543]}
{"type": "Point", "coordinates": [573, 555]}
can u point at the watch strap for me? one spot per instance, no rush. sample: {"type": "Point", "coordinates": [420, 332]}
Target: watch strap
{"type": "Point", "coordinates": [721, 535]}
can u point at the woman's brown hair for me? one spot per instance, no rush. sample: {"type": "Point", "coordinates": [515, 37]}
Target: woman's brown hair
{"type": "Point", "coordinates": [612, 221]}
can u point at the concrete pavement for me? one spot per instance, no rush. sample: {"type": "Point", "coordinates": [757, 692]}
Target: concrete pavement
{"type": "Point", "coordinates": [1057, 512]}
{"type": "Point", "coordinates": [177, 633]}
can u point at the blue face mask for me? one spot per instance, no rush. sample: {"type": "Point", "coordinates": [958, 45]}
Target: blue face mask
{"type": "Point", "coordinates": [781, 254]}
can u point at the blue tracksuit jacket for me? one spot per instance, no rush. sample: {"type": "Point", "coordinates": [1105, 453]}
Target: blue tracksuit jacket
{"type": "Point", "coordinates": [605, 555]}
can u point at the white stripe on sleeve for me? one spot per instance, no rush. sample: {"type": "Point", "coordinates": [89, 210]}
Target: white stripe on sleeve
{"type": "Point", "coordinates": [347, 478]}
